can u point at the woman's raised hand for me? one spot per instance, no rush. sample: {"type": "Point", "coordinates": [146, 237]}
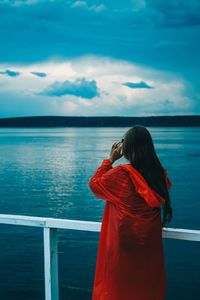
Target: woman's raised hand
{"type": "Point", "coordinates": [115, 152]}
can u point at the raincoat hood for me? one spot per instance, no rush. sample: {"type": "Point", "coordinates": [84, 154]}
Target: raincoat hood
{"type": "Point", "coordinates": [152, 198]}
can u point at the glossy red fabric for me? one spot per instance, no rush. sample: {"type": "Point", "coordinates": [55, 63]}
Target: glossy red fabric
{"type": "Point", "coordinates": [130, 261]}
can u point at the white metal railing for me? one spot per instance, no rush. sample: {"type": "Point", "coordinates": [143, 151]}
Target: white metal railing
{"type": "Point", "coordinates": [50, 226]}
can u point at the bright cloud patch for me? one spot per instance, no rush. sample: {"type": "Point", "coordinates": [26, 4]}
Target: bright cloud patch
{"type": "Point", "coordinates": [39, 74]}
{"type": "Point", "coordinates": [10, 73]}
{"type": "Point", "coordinates": [137, 85]}
{"type": "Point", "coordinates": [80, 87]}
{"type": "Point", "coordinates": [72, 83]}
{"type": "Point", "coordinates": [96, 8]}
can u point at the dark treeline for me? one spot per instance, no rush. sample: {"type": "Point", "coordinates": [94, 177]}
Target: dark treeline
{"type": "Point", "coordinates": [115, 121]}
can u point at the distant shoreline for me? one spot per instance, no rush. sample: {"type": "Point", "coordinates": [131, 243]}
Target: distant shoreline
{"type": "Point", "coordinates": [111, 121]}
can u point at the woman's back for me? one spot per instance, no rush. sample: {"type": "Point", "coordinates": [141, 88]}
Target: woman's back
{"type": "Point", "coordinates": [130, 249]}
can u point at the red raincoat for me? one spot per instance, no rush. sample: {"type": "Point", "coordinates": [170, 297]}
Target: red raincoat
{"type": "Point", "coordinates": [130, 261]}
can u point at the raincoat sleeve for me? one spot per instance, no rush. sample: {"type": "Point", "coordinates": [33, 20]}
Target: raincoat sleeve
{"type": "Point", "coordinates": [107, 183]}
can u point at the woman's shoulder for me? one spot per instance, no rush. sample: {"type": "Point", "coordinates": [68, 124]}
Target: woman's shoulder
{"type": "Point", "coordinates": [122, 168]}
{"type": "Point", "coordinates": [122, 171]}
{"type": "Point", "coordinates": [126, 168]}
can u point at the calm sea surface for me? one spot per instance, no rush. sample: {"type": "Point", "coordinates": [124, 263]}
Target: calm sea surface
{"type": "Point", "coordinates": [45, 172]}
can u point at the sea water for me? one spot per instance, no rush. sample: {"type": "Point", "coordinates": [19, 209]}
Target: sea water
{"type": "Point", "coordinates": [45, 172]}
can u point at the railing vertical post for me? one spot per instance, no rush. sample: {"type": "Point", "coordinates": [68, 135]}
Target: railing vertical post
{"type": "Point", "coordinates": [51, 264]}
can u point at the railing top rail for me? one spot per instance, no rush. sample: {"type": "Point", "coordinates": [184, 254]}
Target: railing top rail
{"type": "Point", "coordinates": [50, 222]}
{"type": "Point", "coordinates": [177, 233]}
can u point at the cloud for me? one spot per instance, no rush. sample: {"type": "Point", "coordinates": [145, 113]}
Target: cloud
{"type": "Point", "coordinates": [79, 3]}
{"type": "Point", "coordinates": [39, 74]}
{"type": "Point", "coordinates": [174, 13]}
{"type": "Point", "coordinates": [80, 88]}
{"type": "Point", "coordinates": [72, 83]}
{"type": "Point", "coordinates": [96, 8]}
{"type": "Point", "coordinates": [10, 73]}
{"type": "Point", "coordinates": [137, 85]}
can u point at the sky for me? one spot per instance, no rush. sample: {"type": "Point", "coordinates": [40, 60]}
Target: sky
{"type": "Point", "coordinates": [99, 58]}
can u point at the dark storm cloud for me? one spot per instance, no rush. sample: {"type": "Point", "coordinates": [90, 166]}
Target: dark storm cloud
{"type": "Point", "coordinates": [80, 87]}
{"type": "Point", "coordinates": [34, 32]}
{"type": "Point", "coordinates": [137, 85]}
{"type": "Point", "coordinates": [10, 73]}
{"type": "Point", "coordinates": [175, 13]}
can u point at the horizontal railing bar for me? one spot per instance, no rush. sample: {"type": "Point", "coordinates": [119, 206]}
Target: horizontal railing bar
{"type": "Point", "coordinates": [23, 220]}
{"type": "Point", "coordinates": [176, 233]}
{"type": "Point", "coordinates": [182, 234]}
{"type": "Point", "coordinates": [74, 224]}
{"type": "Point", "coordinates": [50, 222]}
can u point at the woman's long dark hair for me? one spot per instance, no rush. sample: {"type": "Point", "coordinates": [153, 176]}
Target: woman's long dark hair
{"type": "Point", "coordinates": [138, 148]}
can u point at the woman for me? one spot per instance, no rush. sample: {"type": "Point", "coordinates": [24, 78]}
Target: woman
{"type": "Point", "coordinates": [130, 261]}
